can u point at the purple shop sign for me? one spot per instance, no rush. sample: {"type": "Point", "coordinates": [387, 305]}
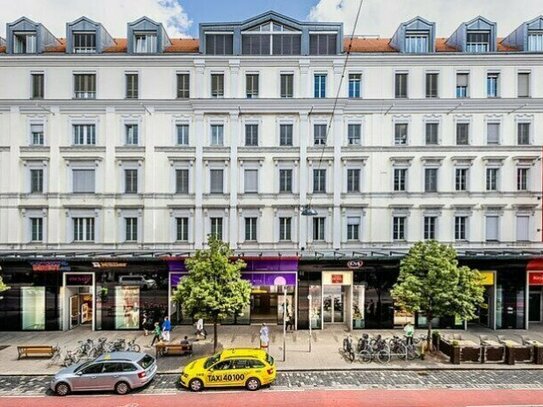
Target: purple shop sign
{"type": "Point", "coordinates": [255, 278]}
{"type": "Point", "coordinates": [78, 279]}
{"type": "Point", "coordinates": [259, 264]}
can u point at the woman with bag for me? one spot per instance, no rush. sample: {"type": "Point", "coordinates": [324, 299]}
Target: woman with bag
{"type": "Point", "coordinates": [157, 333]}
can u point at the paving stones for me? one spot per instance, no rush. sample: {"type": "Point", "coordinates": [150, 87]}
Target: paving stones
{"type": "Point", "coordinates": [402, 379]}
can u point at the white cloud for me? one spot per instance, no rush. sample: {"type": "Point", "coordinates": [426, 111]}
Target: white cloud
{"type": "Point", "coordinates": [382, 17]}
{"type": "Point", "coordinates": [113, 14]}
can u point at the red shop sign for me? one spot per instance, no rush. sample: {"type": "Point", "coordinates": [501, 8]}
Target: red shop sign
{"type": "Point", "coordinates": [337, 278]}
{"type": "Point", "coordinates": [535, 278]}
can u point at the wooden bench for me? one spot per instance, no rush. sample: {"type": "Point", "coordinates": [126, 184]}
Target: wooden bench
{"type": "Point", "coordinates": [168, 349]}
{"type": "Point", "coordinates": [35, 351]}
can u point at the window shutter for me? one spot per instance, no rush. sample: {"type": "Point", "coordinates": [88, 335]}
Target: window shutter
{"type": "Point", "coordinates": [462, 79]}
{"type": "Point", "coordinates": [493, 133]}
{"type": "Point", "coordinates": [523, 223]}
{"type": "Point", "coordinates": [83, 180]}
{"type": "Point", "coordinates": [216, 181]}
{"type": "Point", "coordinates": [492, 227]}
{"type": "Point", "coordinates": [251, 180]}
{"type": "Point", "coordinates": [523, 84]}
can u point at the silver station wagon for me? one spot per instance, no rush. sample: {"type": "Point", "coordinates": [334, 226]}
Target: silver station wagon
{"type": "Point", "coordinates": [119, 371]}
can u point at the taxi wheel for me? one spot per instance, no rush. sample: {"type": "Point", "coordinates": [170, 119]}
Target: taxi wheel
{"type": "Point", "coordinates": [62, 389]}
{"type": "Point", "coordinates": [122, 388]}
{"type": "Point", "coordinates": [196, 385]}
{"type": "Point", "coordinates": [252, 384]}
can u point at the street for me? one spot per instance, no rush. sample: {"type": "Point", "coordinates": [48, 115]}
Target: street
{"type": "Point", "coordinates": [286, 398]}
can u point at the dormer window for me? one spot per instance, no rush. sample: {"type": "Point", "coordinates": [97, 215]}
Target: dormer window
{"type": "Point", "coordinates": [24, 43]}
{"type": "Point", "coordinates": [271, 39]}
{"type": "Point", "coordinates": [145, 43]}
{"type": "Point", "coordinates": [416, 42]}
{"type": "Point", "coordinates": [84, 42]}
{"type": "Point", "coordinates": [477, 41]}
{"type": "Point", "coordinates": [535, 41]}
{"type": "Point", "coordinates": [322, 44]}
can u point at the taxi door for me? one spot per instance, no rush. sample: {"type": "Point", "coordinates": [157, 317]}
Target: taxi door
{"type": "Point", "coordinates": [218, 374]}
{"type": "Point", "coordinates": [242, 370]}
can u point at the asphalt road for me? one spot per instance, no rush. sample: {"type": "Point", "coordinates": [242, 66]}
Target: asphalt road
{"type": "Point", "coordinates": [298, 398]}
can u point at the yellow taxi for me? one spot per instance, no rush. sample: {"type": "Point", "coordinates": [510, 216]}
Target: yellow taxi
{"type": "Point", "coordinates": [239, 367]}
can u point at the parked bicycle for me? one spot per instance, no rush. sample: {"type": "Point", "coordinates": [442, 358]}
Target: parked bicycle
{"type": "Point", "coordinates": [348, 349]}
{"type": "Point", "coordinates": [378, 348]}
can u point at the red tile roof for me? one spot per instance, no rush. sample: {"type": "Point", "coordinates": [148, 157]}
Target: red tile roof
{"type": "Point", "coordinates": [184, 45]}
{"type": "Point", "coordinates": [368, 45]}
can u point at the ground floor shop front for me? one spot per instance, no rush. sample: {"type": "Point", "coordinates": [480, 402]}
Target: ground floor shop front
{"type": "Point", "coordinates": [133, 294]}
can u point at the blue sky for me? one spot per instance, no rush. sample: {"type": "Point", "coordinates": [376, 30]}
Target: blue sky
{"type": "Point", "coordinates": [201, 11]}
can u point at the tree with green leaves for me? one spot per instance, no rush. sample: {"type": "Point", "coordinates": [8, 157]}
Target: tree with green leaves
{"type": "Point", "coordinates": [213, 288]}
{"type": "Point", "coordinates": [431, 282]}
{"type": "Point", "coordinates": [3, 286]}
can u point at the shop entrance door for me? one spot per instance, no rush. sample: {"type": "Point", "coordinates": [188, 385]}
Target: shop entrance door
{"type": "Point", "coordinates": [74, 311]}
{"type": "Point", "coordinates": [333, 305]}
{"type": "Point", "coordinates": [534, 311]}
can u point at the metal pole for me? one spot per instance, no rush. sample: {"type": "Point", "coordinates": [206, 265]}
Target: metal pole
{"type": "Point", "coordinates": [284, 323]}
{"type": "Point", "coordinates": [310, 320]}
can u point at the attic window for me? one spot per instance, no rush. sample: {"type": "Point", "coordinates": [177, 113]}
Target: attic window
{"type": "Point", "coordinates": [416, 42]}
{"type": "Point", "coordinates": [535, 40]}
{"type": "Point", "coordinates": [322, 44]}
{"type": "Point", "coordinates": [478, 41]}
{"type": "Point", "coordinates": [271, 39]}
{"type": "Point", "coordinates": [145, 42]}
{"type": "Point", "coordinates": [84, 42]}
{"type": "Point", "coordinates": [24, 43]}
{"type": "Point", "coordinates": [271, 26]}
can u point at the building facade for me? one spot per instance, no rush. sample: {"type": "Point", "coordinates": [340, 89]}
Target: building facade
{"type": "Point", "coordinates": [147, 144]}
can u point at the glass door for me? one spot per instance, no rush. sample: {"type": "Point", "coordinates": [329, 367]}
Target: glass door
{"type": "Point", "coordinates": [74, 311]}
{"type": "Point", "coordinates": [333, 309]}
{"type": "Point", "coordinates": [534, 310]}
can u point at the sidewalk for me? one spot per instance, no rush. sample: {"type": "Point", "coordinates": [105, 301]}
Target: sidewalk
{"type": "Point", "coordinates": [325, 354]}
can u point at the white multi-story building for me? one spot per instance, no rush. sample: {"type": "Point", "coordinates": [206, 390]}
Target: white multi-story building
{"type": "Point", "coordinates": [150, 143]}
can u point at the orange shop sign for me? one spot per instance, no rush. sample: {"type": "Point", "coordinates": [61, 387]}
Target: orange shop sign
{"type": "Point", "coordinates": [535, 278]}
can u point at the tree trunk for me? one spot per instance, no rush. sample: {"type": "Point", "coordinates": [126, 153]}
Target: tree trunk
{"type": "Point", "coordinates": [214, 334]}
{"type": "Point", "coordinates": [429, 345]}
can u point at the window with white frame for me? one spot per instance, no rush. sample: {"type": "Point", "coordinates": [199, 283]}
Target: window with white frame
{"type": "Point", "coordinates": [492, 228]}
{"type": "Point", "coordinates": [84, 42]}
{"type": "Point", "coordinates": [523, 133]}
{"type": "Point", "coordinates": [417, 42]}
{"type": "Point", "coordinates": [84, 134]}
{"type": "Point", "coordinates": [217, 135]}
{"type": "Point", "coordinates": [250, 180]}
{"type": "Point", "coordinates": [145, 42]}
{"type": "Point", "coordinates": [285, 134]}
{"type": "Point", "coordinates": [523, 228]}
{"type": "Point", "coordinates": [24, 43]}
{"type": "Point", "coordinates": [216, 181]}
{"type": "Point", "coordinates": [461, 179]}
{"type": "Point", "coordinates": [319, 180]}
{"type": "Point", "coordinates": [460, 227]}
{"type": "Point", "coordinates": [36, 181]}
{"type": "Point", "coordinates": [432, 85]}
{"type": "Point", "coordinates": [493, 133]}
{"type": "Point", "coordinates": [462, 85]}
{"type": "Point", "coordinates": [131, 229]}
{"type": "Point", "coordinates": [430, 179]}
{"type": "Point", "coordinates": [320, 86]}
{"type": "Point", "coordinates": [182, 181]}
{"type": "Point", "coordinates": [319, 134]}
{"type": "Point", "coordinates": [216, 227]}
{"type": "Point", "coordinates": [251, 229]}
{"type": "Point", "coordinates": [319, 228]}
{"type": "Point", "coordinates": [398, 228]}
{"type": "Point", "coordinates": [535, 40]}
{"type": "Point", "coordinates": [251, 135]}
{"type": "Point", "coordinates": [400, 85]}
{"type": "Point", "coordinates": [523, 85]}
{"type": "Point", "coordinates": [522, 178]}
{"type": "Point", "coordinates": [477, 41]}
{"type": "Point", "coordinates": [37, 137]}
{"type": "Point", "coordinates": [400, 179]}
{"type": "Point", "coordinates": [285, 180]}
{"type": "Point", "coordinates": [132, 85]}
{"type": "Point", "coordinates": [182, 229]}
{"type": "Point", "coordinates": [400, 133]}
{"type": "Point", "coordinates": [84, 229]}
{"type": "Point", "coordinates": [492, 83]}
{"type": "Point", "coordinates": [183, 85]}
{"type": "Point", "coordinates": [38, 89]}
{"type": "Point", "coordinates": [432, 133]}
{"type": "Point", "coordinates": [287, 85]}
{"type": "Point", "coordinates": [84, 86]}
{"type": "Point", "coordinates": [36, 229]}
{"type": "Point", "coordinates": [131, 181]}
{"type": "Point", "coordinates": [353, 179]}
{"type": "Point", "coordinates": [217, 85]}
{"type": "Point", "coordinates": [430, 223]}
{"type": "Point", "coordinates": [355, 84]}
{"type": "Point", "coordinates": [285, 229]}
{"type": "Point", "coordinates": [83, 180]}
{"type": "Point", "coordinates": [131, 132]}
{"type": "Point", "coordinates": [492, 179]}
{"type": "Point", "coordinates": [353, 228]}
{"type": "Point", "coordinates": [182, 134]}
{"type": "Point", "coordinates": [462, 134]}
{"type": "Point", "coordinates": [251, 85]}
{"type": "Point", "coordinates": [354, 133]}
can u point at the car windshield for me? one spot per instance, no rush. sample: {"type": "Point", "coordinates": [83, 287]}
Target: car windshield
{"type": "Point", "coordinates": [212, 360]}
{"type": "Point", "coordinates": [269, 359]}
{"type": "Point", "coordinates": [83, 366]}
{"type": "Point", "coordinates": [146, 361]}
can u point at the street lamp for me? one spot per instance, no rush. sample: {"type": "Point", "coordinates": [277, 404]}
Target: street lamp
{"type": "Point", "coordinates": [284, 322]}
{"type": "Point", "coordinates": [309, 297]}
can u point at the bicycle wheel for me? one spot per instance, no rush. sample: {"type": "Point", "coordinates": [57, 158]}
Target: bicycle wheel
{"type": "Point", "coordinates": [136, 348]}
{"type": "Point", "coordinates": [383, 355]}
{"type": "Point", "coordinates": [411, 352]}
{"type": "Point", "coordinates": [400, 351]}
{"type": "Point", "coordinates": [365, 356]}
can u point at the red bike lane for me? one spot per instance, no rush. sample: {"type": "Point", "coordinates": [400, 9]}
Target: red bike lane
{"type": "Point", "coordinates": [294, 398]}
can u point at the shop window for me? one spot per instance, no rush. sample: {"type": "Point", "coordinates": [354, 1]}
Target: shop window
{"type": "Point", "coordinates": [127, 300]}
{"type": "Point", "coordinates": [33, 308]}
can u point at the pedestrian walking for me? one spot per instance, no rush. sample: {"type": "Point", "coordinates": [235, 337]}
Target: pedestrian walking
{"type": "Point", "coordinates": [409, 331]}
{"type": "Point", "coordinates": [289, 322]}
{"type": "Point", "coordinates": [145, 324]}
{"type": "Point", "coordinates": [264, 336]}
{"type": "Point", "coordinates": [156, 334]}
{"type": "Point", "coordinates": [200, 330]}
{"type": "Point", "coordinates": [166, 329]}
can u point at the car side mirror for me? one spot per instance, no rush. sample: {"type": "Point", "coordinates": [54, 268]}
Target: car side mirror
{"type": "Point", "coordinates": [79, 373]}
